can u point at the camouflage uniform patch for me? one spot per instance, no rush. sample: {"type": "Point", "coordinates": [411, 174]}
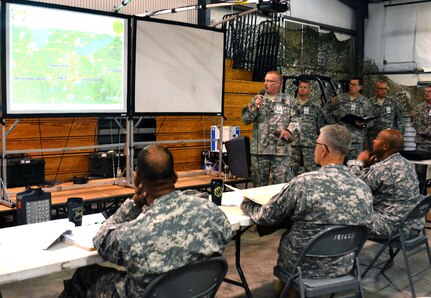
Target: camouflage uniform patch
{"type": "Point", "coordinates": [277, 165]}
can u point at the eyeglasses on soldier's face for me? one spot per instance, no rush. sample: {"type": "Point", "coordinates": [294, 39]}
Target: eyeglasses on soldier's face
{"type": "Point", "coordinates": [270, 81]}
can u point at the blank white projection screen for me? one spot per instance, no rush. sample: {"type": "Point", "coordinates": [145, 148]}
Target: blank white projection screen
{"type": "Point", "coordinates": [179, 69]}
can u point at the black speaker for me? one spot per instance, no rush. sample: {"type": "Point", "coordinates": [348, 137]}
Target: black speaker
{"type": "Point", "coordinates": [105, 164]}
{"type": "Point", "coordinates": [25, 172]}
{"type": "Point", "coordinates": [238, 156]}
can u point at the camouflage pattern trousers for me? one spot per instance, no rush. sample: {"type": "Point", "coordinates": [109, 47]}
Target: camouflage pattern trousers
{"type": "Point", "coordinates": [381, 229]}
{"type": "Point", "coordinates": [302, 160]}
{"type": "Point", "coordinates": [263, 165]}
{"type": "Point", "coordinates": [421, 170]}
{"type": "Point", "coordinates": [94, 281]}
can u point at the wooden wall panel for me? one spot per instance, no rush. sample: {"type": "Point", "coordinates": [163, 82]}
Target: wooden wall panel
{"type": "Point", "coordinates": [244, 87]}
{"type": "Point", "coordinates": [238, 93]}
{"type": "Point", "coordinates": [45, 133]}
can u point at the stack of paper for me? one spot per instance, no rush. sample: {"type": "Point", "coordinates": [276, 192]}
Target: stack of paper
{"type": "Point", "coordinates": [81, 236]}
{"type": "Point", "coordinates": [260, 195]}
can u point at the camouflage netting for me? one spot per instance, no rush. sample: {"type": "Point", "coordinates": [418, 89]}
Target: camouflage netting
{"type": "Point", "coordinates": [305, 49]}
{"type": "Point", "coordinates": [408, 96]}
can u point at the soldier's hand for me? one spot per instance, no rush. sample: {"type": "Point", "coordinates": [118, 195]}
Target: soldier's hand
{"type": "Point", "coordinates": [333, 99]}
{"type": "Point", "coordinates": [364, 156]}
{"type": "Point", "coordinates": [140, 196]}
{"type": "Point", "coordinates": [285, 134]}
{"type": "Point", "coordinates": [360, 124]}
{"type": "Point", "coordinates": [258, 101]}
{"type": "Point", "coordinates": [367, 157]}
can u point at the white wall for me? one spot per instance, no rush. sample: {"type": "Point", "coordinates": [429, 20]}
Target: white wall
{"type": "Point", "coordinates": [328, 12]}
{"type": "Point", "coordinates": [400, 36]}
{"type": "Point", "coordinates": [136, 7]}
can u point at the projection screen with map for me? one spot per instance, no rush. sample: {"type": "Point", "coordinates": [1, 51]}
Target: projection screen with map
{"type": "Point", "coordinates": [63, 61]}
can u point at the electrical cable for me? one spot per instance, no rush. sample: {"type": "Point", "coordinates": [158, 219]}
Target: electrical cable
{"type": "Point", "coordinates": [119, 173]}
{"type": "Point", "coordinates": [257, 144]}
{"type": "Point", "coordinates": [112, 151]}
{"type": "Point", "coordinates": [40, 136]}
{"type": "Point", "coordinates": [40, 140]}
{"type": "Point", "coordinates": [161, 124]}
{"type": "Point", "coordinates": [62, 153]}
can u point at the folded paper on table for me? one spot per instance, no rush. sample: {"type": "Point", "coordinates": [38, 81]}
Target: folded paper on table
{"type": "Point", "coordinates": [260, 195]}
{"type": "Point", "coordinates": [81, 236]}
{"type": "Point", "coordinates": [49, 235]}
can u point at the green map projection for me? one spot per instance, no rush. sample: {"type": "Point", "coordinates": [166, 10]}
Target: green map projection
{"type": "Point", "coordinates": [54, 66]}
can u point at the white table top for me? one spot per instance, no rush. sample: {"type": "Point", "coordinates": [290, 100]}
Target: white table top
{"type": "Point", "coordinates": [421, 162]}
{"type": "Point", "coordinates": [22, 253]}
{"type": "Point", "coordinates": [230, 205]}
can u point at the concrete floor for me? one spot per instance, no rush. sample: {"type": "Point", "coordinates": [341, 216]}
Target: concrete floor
{"type": "Point", "coordinates": [258, 258]}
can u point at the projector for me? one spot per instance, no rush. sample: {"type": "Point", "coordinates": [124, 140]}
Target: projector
{"type": "Point", "coordinates": [274, 6]}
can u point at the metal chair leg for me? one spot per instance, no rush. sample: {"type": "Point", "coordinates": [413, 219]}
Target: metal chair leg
{"type": "Point", "coordinates": [409, 273]}
{"type": "Point", "coordinates": [376, 258]}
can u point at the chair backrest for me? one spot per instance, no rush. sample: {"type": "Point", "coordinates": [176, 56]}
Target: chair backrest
{"type": "Point", "coordinates": [336, 241]}
{"type": "Point", "coordinates": [201, 278]}
{"type": "Point", "coordinates": [419, 210]}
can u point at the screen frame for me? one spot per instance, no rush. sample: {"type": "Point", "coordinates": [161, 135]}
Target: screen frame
{"type": "Point", "coordinates": [87, 113]}
{"type": "Point", "coordinates": [134, 95]}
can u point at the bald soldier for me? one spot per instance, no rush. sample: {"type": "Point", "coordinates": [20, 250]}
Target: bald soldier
{"type": "Point", "coordinates": [157, 230]}
{"type": "Point", "coordinates": [393, 182]}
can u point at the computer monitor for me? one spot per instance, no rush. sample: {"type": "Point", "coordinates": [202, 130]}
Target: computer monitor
{"type": "Point", "coordinates": [238, 156]}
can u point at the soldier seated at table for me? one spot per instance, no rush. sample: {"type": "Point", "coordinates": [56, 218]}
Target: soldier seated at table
{"type": "Point", "coordinates": [394, 184]}
{"type": "Point", "coordinates": [315, 200]}
{"type": "Point", "coordinates": [159, 229]}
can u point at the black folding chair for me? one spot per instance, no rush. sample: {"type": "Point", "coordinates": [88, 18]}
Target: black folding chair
{"type": "Point", "coordinates": [398, 242]}
{"type": "Point", "coordinates": [198, 279]}
{"type": "Point", "coordinates": [335, 241]}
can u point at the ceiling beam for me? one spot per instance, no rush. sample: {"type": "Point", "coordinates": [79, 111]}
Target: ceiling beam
{"type": "Point", "coordinates": [357, 5]}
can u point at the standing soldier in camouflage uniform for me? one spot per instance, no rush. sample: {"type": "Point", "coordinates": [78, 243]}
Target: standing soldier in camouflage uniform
{"type": "Point", "coordinates": [270, 148]}
{"type": "Point", "coordinates": [421, 120]}
{"type": "Point", "coordinates": [310, 119]}
{"type": "Point", "coordinates": [351, 103]}
{"type": "Point", "coordinates": [387, 110]}
{"type": "Point", "coordinates": [393, 182]}
{"type": "Point", "coordinates": [157, 230]}
{"type": "Point", "coordinates": [315, 200]}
